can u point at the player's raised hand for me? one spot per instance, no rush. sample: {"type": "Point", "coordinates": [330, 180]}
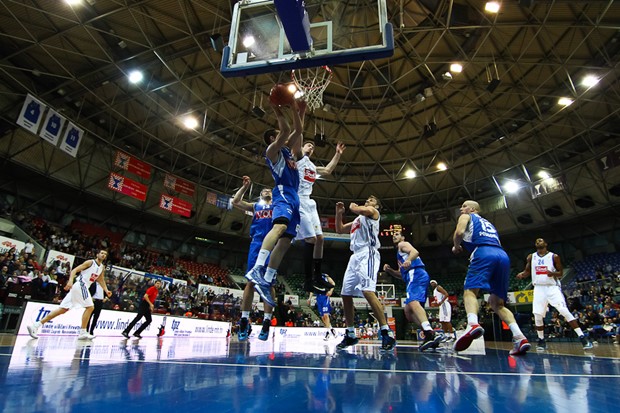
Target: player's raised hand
{"type": "Point", "coordinates": [339, 207]}
{"type": "Point", "coordinates": [340, 147]}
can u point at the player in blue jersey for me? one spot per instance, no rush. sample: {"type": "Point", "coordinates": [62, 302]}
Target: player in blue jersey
{"type": "Point", "coordinates": [323, 305]}
{"type": "Point", "coordinates": [261, 225]}
{"type": "Point", "coordinates": [284, 148]}
{"type": "Point", "coordinates": [414, 274]}
{"type": "Point", "coordinates": [489, 269]}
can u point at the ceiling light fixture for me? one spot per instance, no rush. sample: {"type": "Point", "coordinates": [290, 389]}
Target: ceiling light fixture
{"type": "Point", "coordinates": [492, 6]}
{"type": "Point", "coordinates": [456, 68]}
{"type": "Point", "coordinates": [442, 166]}
{"type": "Point", "coordinates": [590, 81]}
{"type": "Point", "coordinates": [565, 101]}
{"type": "Point", "coordinates": [410, 174]}
{"type": "Point", "coordinates": [511, 187]}
{"type": "Point", "coordinates": [190, 122]}
{"type": "Point", "coordinates": [135, 76]}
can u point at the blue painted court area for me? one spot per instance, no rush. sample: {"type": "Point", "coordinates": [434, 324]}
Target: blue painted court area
{"type": "Point", "coordinates": [61, 374]}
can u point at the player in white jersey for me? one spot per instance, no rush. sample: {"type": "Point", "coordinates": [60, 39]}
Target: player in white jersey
{"type": "Point", "coordinates": [78, 296]}
{"type": "Point", "coordinates": [546, 270]}
{"type": "Point", "coordinates": [310, 225]}
{"type": "Point", "coordinates": [445, 310]}
{"type": "Point", "coordinates": [360, 278]}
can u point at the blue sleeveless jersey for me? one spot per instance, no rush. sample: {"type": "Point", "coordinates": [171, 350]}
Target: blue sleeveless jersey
{"type": "Point", "coordinates": [405, 273]}
{"type": "Point", "coordinates": [480, 232]}
{"type": "Point", "coordinates": [261, 221]}
{"type": "Point", "coordinates": [285, 175]}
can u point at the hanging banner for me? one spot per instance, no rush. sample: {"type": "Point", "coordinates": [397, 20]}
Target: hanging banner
{"type": "Point", "coordinates": [436, 217]}
{"type": "Point", "coordinates": [52, 127]}
{"type": "Point", "coordinates": [133, 165]}
{"type": "Point", "coordinates": [179, 185]}
{"type": "Point", "coordinates": [328, 222]}
{"type": "Point", "coordinates": [61, 257]}
{"type": "Point", "coordinates": [547, 186]}
{"type": "Point", "coordinates": [224, 202]}
{"type": "Point", "coordinates": [31, 114]}
{"type": "Point", "coordinates": [212, 198]}
{"type": "Point", "coordinates": [127, 186]}
{"type": "Point", "coordinates": [71, 142]}
{"type": "Point", "coordinates": [7, 243]}
{"type": "Point", "coordinates": [609, 161]}
{"type": "Point", "coordinates": [175, 205]}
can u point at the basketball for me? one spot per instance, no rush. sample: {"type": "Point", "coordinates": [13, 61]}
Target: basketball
{"type": "Point", "coordinates": [282, 94]}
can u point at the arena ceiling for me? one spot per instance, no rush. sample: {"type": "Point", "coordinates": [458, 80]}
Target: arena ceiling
{"type": "Point", "coordinates": [395, 115]}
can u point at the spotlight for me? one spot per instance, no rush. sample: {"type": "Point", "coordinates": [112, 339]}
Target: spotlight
{"type": "Point", "coordinates": [430, 129]}
{"type": "Point", "coordinates": [493, 84]}
{"type": "Point", "coordinates": [217, 42]}
{"type": "Point", "coordinates": [320, 140]}
{"type": "Point", "coordinates": [258, 111]}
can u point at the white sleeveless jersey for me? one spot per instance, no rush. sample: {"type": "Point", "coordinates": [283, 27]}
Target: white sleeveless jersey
{"type": "Point", "coordinates": [307, 176]}
{"type": "Point", "coordinates": [90, 275]}
{"type": "Point", "coordinates": [540, 266]}
{"type": "Point", "coordinates": [364, 233]}
{"type": "Point", "coordinates": [438, 296]}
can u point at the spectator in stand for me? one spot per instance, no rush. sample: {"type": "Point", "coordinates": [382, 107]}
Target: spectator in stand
{"type": "Point", "coordinates": [38, 288]}
{"type": "Point", "coordinates": [4, 276]}
{"type": "Point", "coordinates": [29, 247]}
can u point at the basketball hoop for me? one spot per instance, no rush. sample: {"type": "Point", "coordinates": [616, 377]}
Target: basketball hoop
{"type": "Point", "coordinates": [311, 83]}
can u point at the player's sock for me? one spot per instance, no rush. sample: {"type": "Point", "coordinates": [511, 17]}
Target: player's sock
{"type": "Point", "coordinates": [245, 314]}
{"type": "Point", "coordinates": [270, 274]}
{"type": "Point", "coordinates": [472, 319]}
{"type": "Point", "coordinates": [541, 334]}
{"type": "Point", "coordinates": [262, 257]}
{"type": "Point", "coordinates": [426, 326]}
{"type": "Point", "coordinates": [516, 331]}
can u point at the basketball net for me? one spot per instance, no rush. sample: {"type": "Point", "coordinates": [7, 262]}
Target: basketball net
{"type": "Point", "coordinates": [311, 82]}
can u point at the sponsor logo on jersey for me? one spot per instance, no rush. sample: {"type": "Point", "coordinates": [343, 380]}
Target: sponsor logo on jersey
{"type": "Point", "coordinates": [540, 269]}
{"type": "Point", "coordinates": [309, 175]}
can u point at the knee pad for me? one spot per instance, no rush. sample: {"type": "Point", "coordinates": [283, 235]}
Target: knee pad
{"type": "Point", "coordinates": [538, 320]}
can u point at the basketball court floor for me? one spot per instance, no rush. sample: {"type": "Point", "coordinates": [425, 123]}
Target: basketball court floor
{"type": "Point", "coordinates": [62, 374]}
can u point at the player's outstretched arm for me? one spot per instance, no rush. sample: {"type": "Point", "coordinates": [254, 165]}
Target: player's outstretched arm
{"type": "Point", "coordinates": [238, 201]}
{"type": "Point", "coordinates": [327, 170]}
{"type": "Point", "coordinates": [368, 211]}
{"type": "Point", "coordinates": [341, 227]}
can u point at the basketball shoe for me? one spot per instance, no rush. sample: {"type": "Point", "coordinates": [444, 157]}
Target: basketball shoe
{"type": "Point", "coordinates": [463, 343]}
